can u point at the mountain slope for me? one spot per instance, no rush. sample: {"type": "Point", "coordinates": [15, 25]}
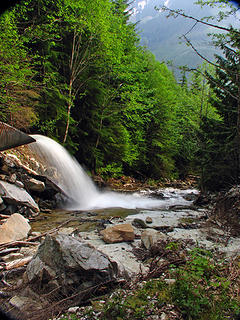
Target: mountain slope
{"type": "Point", "coordinates": [161, 35]}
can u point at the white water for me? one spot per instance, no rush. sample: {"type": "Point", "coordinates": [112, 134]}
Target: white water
{"type": "Point", "coordinates": [67, 173]}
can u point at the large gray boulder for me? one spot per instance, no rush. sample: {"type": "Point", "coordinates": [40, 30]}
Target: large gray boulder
{"type": "Point", "coordinates": [13, 194]}
{"type": "Point", "coordinates": [64, 263]}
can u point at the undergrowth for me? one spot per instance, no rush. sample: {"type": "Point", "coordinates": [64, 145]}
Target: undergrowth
{"type": "Point", "coordinates": [201, 287]}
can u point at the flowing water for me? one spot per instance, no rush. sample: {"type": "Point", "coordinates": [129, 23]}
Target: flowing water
{"type": "Point", "coordinates": [66, 172]}
{"type": "Point", "coordinates": [60, 167]}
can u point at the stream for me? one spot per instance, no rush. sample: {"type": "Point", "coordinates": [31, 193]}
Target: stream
{"type": "Point", "coordinates": [132, 207]}
{"type": "Point", "coordinates": [176, 217]}
{"type": "Point", "coordinates": [168, 210]}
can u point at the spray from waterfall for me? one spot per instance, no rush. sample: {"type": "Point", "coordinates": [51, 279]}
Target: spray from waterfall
{"type": "Point", "coordinates": [69, 176]}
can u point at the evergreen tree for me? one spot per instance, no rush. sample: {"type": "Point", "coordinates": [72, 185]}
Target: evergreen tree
{"type": "Point", "coordinates": [18, 92]}
{"type": "Point", "coordinates": [221, 152]}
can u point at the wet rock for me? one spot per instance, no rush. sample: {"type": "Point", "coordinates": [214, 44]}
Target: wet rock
{"type": "Point", "coordinates": [190, 196]}
{"type": "Point", "coordinates": [139, 223]}
{"type": "Point", "coordinates": [63, 262]}
{"type": "Point", "coordinates": [15, 228]}
{"type": "Point", "coordinates": [179, 207]}
{"type": "Point", "coordinates": [149, 220]}
{"type": "Point", "coordinates": [158, 194]}
{"type": "Point", "coordinates": [150, 237]}
{"type": "Point", "coordinates": [118, 233]}
{"type": "Point", "coordinates": [35, 185]}
{"type": "Point", "coordinates": [17, 196]}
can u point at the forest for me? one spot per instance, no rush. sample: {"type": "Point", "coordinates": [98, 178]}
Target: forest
{"type": "Point", "coordinates": [75, 71]}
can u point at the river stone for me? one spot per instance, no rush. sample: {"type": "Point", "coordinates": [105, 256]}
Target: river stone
{"type": "Point", "coordinates": [150, 237]}
{"type": "Point", "coordinates": [12, 194]}
{"type": "Point", "coordinates": [139, 223]}
{"type": "Point", "coordinates": [35, 185]}
{"type": "Point", "coordinates": [118, 233]}
{"type": "Point", "coordinates": [149, 220]}
{"type": "Point", "coordinates": [15, 228]}
{"type": "Point", "coordinates": [66, 262]}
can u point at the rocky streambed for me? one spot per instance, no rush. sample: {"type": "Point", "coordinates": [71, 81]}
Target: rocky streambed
{"type": "Point", "coordinates": [51, 259]}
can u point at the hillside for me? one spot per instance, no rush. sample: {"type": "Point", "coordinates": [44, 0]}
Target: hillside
{"type": "Point", "coordinates": [161, 35]}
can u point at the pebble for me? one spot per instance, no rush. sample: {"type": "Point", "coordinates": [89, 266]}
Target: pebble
{"type": "Point", "coordinates": [148, 220]}
{"type": "Point", "coordinates": [73, 309]}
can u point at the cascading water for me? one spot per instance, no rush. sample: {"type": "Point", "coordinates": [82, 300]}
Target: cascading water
{"type": "Point", "coordinates": [65, 171]}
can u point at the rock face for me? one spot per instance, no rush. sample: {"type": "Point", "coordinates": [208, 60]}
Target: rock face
{"type": "Point", "coordinates": [15, 228]}
{"type": "Point", "coordinates": [64, 263]}
{"type": "Point", "coordinates": [118, 233]}
{"type": "Point", "coordinates": [23, 190]}
{"type": "Point", "coordinates": [12, 194]}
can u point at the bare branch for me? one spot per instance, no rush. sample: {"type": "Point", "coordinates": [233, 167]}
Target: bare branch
{"type": "Point", "coordinates": [181, 13]}
{"type": "Point", "coordinates": [199, 54]}
{"type": "Point", "coordinates": [215, 83]}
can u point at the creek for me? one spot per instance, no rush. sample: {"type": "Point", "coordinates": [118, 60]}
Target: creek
{"type": "Point", "coordinates": [170, 210]}
{"type": "Point", "coordinates": [82, 194]}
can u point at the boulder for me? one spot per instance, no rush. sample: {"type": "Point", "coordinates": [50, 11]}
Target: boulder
{"type": "Point", "coordinates": [35, 185]}
{"type": "Point", "coordinates": [64, 263]}
{"type": "Point", "coordinates": [118, 233]}
{"type": "Point", "coordinates": [15, 228]}
{"type": "Point", "coordinates": [12, 194]}
{"type": "Point", "coordinates": [121, 253]}
{"type": "Point", "coordinates": [150, 237]}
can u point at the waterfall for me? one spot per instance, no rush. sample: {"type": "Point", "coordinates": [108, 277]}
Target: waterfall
{"type": "Point", "coordinates": [63, 169]}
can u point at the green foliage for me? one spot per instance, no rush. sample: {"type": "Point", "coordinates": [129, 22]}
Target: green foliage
{"type": "Point", "coordinates": [18, 94]}
{"type": "Point", "coordinates": [195, 289]}
{"type": "Point", "coordinates": [74, 70]}
{"type": "Point", "coordinates": [220, 137]}
{"type": "Point", "coordinates": [111, 170]}
{"type": "Point", "coordinates": [137, 305]}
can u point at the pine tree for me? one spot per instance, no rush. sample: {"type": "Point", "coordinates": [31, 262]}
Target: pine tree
{"type": "Point", "coordinates": [221, 140]}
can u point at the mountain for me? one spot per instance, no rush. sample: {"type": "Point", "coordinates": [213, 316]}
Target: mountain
{"type": "Point", "coordinates": [161, 35]}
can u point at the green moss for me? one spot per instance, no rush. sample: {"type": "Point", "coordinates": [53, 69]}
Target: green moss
{"type": "Point", "coordinates": [136, 305]}
{"type": "Point", "coordinates": [187, 220]}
